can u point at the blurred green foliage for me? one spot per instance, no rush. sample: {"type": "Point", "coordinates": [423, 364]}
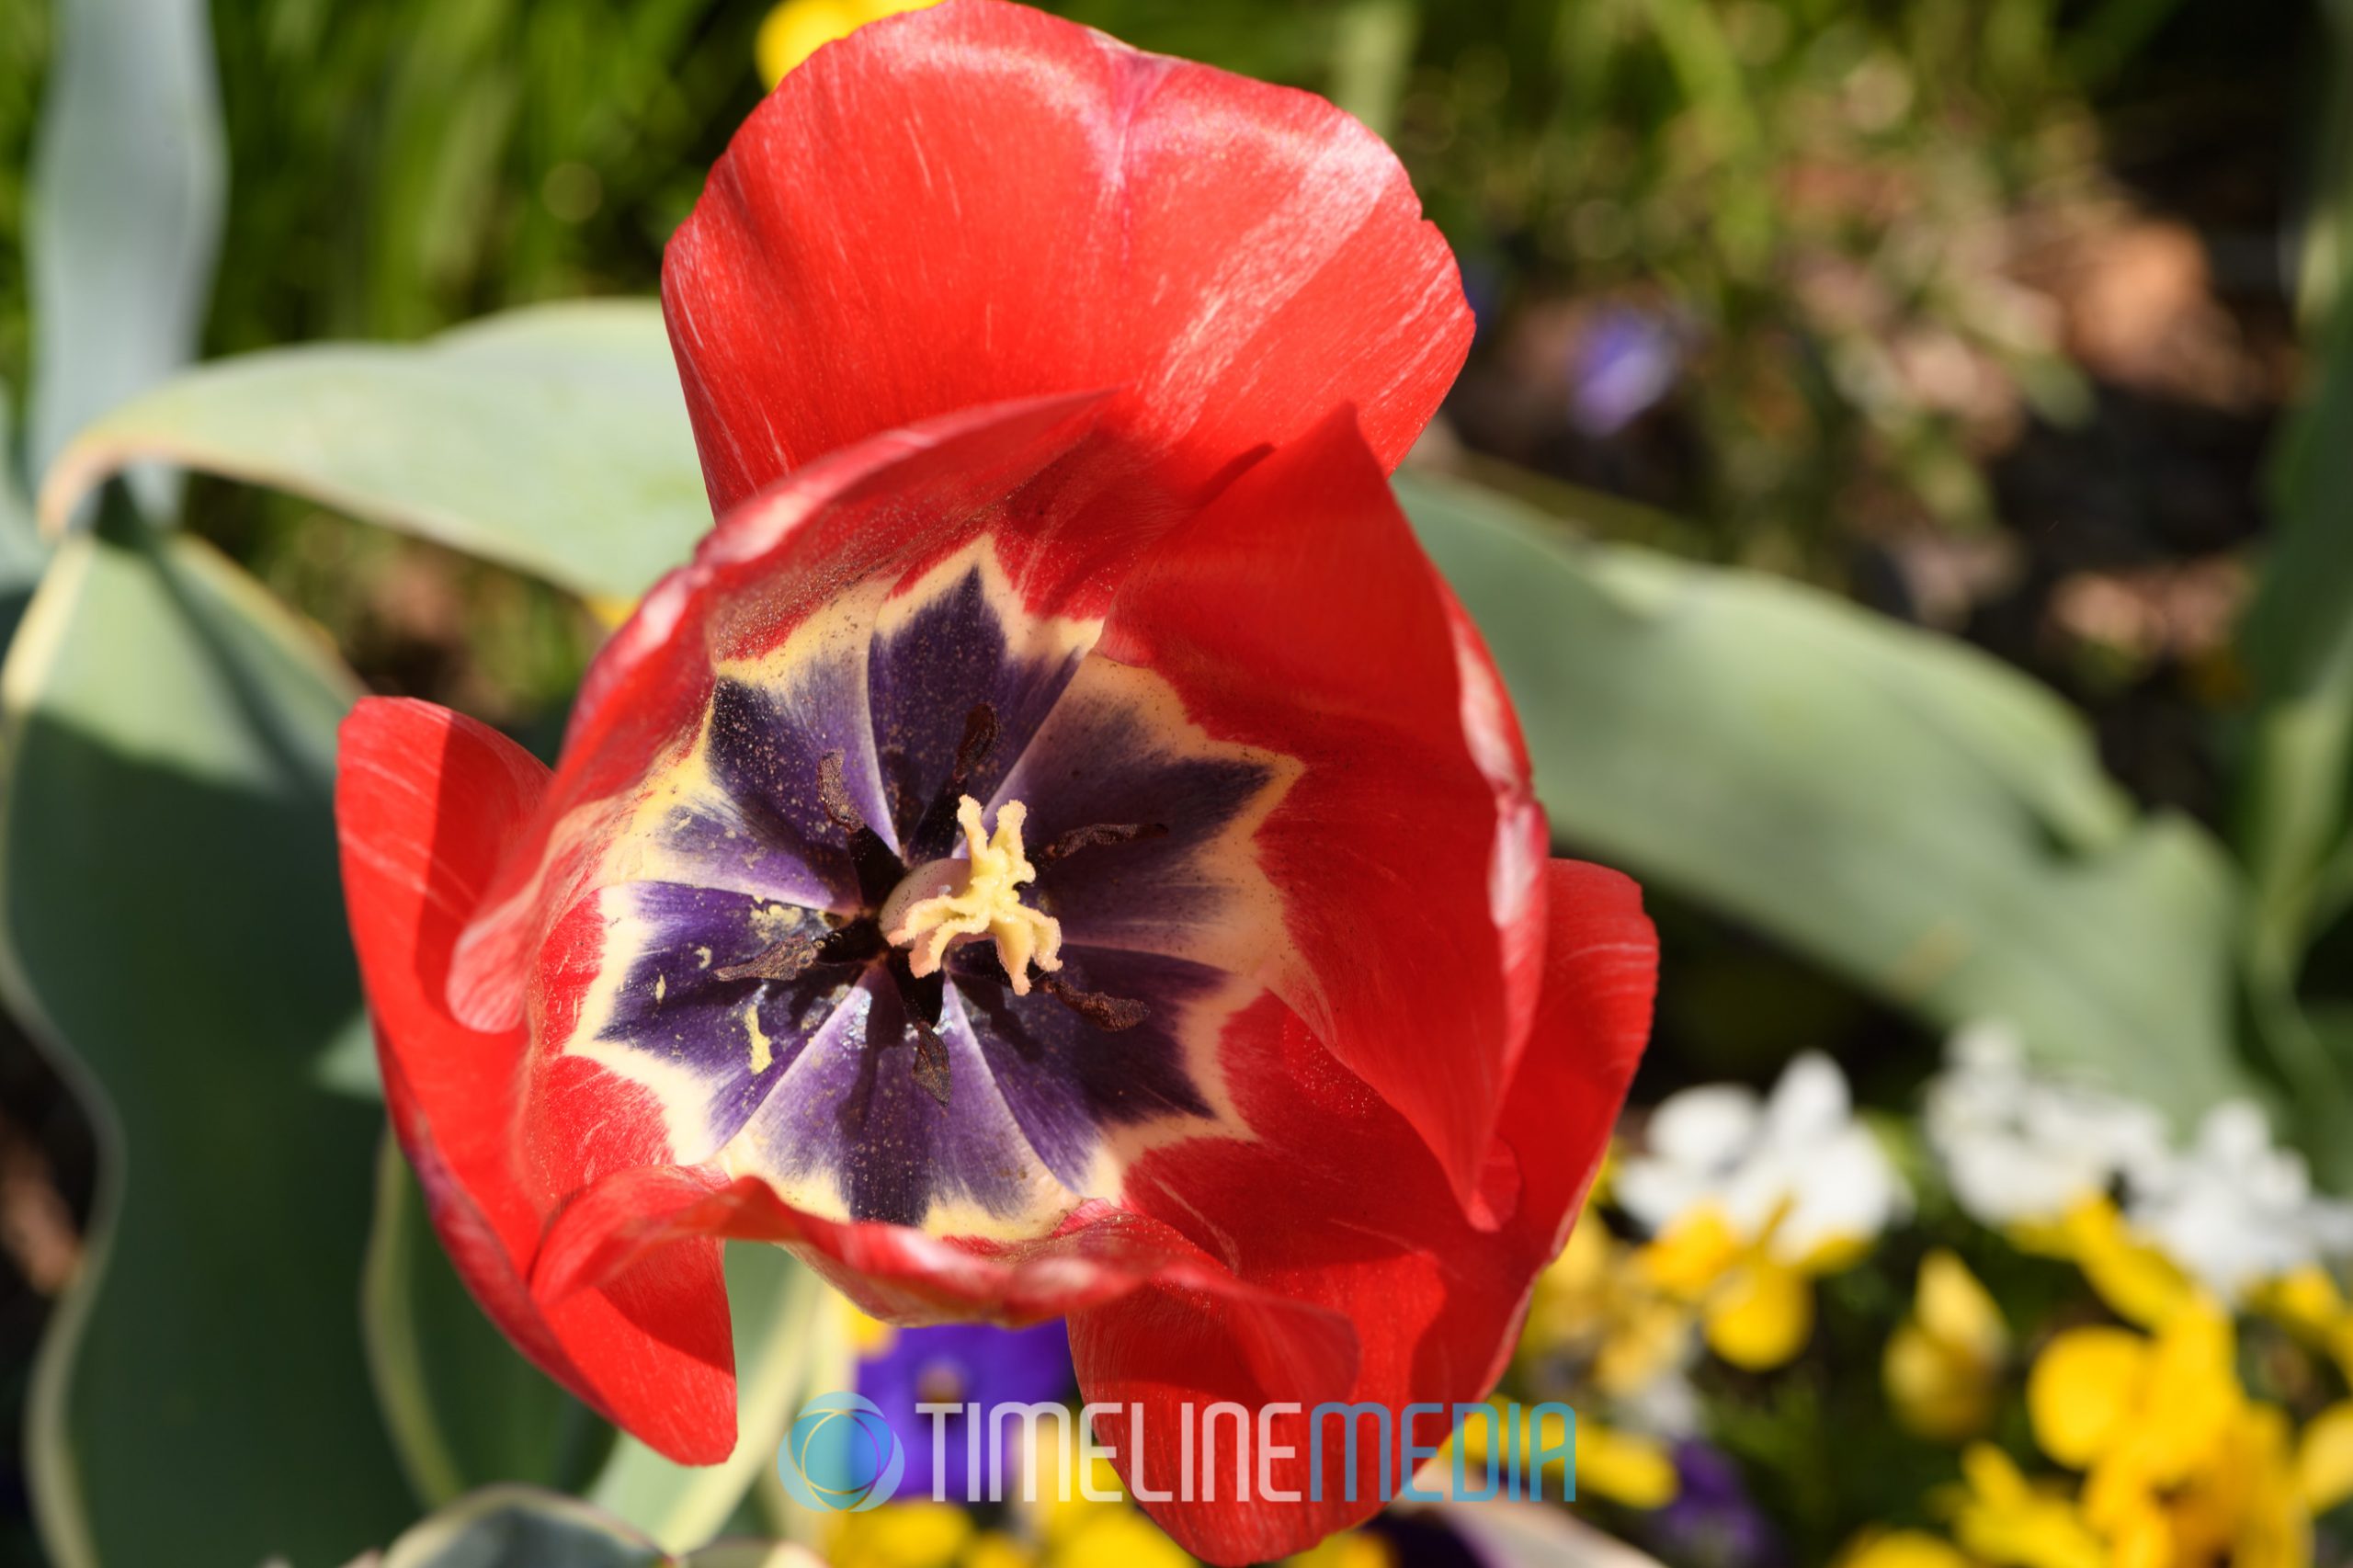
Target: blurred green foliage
{"type": "Point", "coordinates": [1799, 185]}
{"type": "Point", "coordinates": [24, 53]}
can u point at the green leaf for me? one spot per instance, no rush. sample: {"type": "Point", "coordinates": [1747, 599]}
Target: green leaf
{"type": "Point", "coordinates": [552, 439]}
{"type": "Point", "coordinates": [518, 1527]}
{"type": "Point", "coordinates": [464, 1407]}
{"type": "Point", "coordinates": [2295, 807]}
{"type": "Point", "coordinates": [790, 1344]}
{"type": "Point", "coordinates": [127, 180]}
{"type": "Point", "coordinates": [171, 924]}
{"type": "Point", "coordinates": [1902, 809]}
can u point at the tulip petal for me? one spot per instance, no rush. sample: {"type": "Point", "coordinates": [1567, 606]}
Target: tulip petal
{"type": "Point", "coordinates": [424, 803]}
{"type": "Point", "coordinates": [1297, 613]}
{"type": "Point", "coordinates": [979, 203]}
{"type": "Point", "coordinates": [1436, 1300]}
{"type": "Point", "coordinates": [1101, 1253]}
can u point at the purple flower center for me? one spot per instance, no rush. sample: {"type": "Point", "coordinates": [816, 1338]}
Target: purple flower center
{"type": "Point", "coordinates": [747, 978]}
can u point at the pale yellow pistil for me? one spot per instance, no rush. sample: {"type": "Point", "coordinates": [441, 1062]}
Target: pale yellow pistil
{"type": "Point", "coordinates": [943, 902]}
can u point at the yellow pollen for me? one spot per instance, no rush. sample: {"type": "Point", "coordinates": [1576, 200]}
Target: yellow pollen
{"type": "Point", "coordinates": [763, 1048]}
{"type": "Point", "coordinates": [949, 901]}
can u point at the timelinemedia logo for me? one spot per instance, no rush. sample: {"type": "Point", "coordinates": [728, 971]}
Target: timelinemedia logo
{"type": "Point", "coordinates": [844, 1454]}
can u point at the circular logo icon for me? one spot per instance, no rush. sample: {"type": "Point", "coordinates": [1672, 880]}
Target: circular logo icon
{"type": "Point", "coordinates": [841, 1454]}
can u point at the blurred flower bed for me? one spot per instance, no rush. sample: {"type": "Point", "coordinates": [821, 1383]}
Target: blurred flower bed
{"type": "Point", "coordinates": [2025, 1328]}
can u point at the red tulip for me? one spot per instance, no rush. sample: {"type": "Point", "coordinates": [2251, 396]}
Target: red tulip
{"type": "Point", "coordinates": [1058, 849]}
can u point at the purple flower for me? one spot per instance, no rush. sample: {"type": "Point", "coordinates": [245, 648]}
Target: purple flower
{"type": "Point", "coordinates": [1624, 360]}
{"type": "Point", "coordinates": [962, 1364]}
{"type": "Point", "coordinates": [1712, 1520]}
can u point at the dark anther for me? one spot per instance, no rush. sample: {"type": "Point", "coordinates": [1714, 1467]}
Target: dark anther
{"type": "Point", "coordinates": [924, 999]}
{"type": "Point", "coordinates": [1109, 1014]}
{"type": "Point", "coordinates": [980, 739]}
{"type": "Point", "coordinates": [939, 817]}
{"type": "Point", "coordinates": [782, 961]}
{"type": "Point", "coordinates": [1080, 838]}
{"type": "Point", "coordinates": [878, 869]}
{"type": "Point", "coordinates": [931, 1062]}
{"type": "Point", "coordinates": [834, 795]}
{"type": "Point", "coordinates": [854, 943]}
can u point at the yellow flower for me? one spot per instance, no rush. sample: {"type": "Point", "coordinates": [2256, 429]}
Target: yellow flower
{"type": "Point", "coordinates": [1613, 1462]}
{"type": "Point", "coordinates": [1351, 1549]}
{"type": "Point", "coordinates": [901, 1535]}
{"type": "Point", "coordinates": [2082, 1391]}
{"type": "Point", "coordinates": [2003, 1519]}
{"type": "Point", "coordinates": [1623, 1467]}
{"type": "Point", "coordinates": [2181, 1466]}
{"type": "Point", "coordinates": [1756, 1307]}
{"type": "Point", "coordinates": [798, 29]}
{"type": "Point", "coordinates": [1900, 1548]}
{"type": "Point", "coordinates": [994, 1549]}
{"type": "Point", "coordinates": [1592, 1306]}
{"type": "Point", "coordinates": [2324, 1459]}
{"type": "Point", "coordinates": [1114, 1536]}
{"type": "Point", "coordinates": [2138, 1281]}
{"type": "Point", "coordinates": [2247, 1504]}
{"type": "Point", "coordinates": [868, 1337]}
{"type": "Point", "coordinates": [1942, 1363]}
{"type": "Point", "coordinates": [2153, 1407]}
{"type": "Point", "coordinates": [2308, 1304]}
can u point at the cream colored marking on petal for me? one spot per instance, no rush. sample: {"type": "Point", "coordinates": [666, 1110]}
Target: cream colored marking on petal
{"type": "Point", "coordinates": [944, 902]}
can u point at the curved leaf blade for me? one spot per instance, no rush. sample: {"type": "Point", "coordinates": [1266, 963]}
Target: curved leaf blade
{"type": "Point", "coordinates": [465, 1408]}
{"type": "Point", "coordinates": [128, 177]}
{"type": "Point", "coordinates": [1905, 811]}
{"type": "Point", "coordinates": [169, 919]}
{"type": "Point", "coordinates": [552, 439]}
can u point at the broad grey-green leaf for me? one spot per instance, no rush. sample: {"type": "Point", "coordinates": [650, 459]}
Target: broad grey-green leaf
{"type": "Point", "coordinates": [465, 1408]}
{"type": "Point", "coordinates": [520, 1527]}
{"type": "Point", "coordinates": [127, 180]}
{"type": "Point", "coordinates": [790, 1344]}
{"type": "Point", "coordinates": [173, 927]}
{"type": "Point", "coordinates": [553, 439]}
{"type": "Point", "coordinates": [1903, 809]}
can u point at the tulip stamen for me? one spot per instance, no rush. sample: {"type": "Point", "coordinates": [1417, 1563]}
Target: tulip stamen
{"type": "Point", "coordinates": [878, 868]}
{"type": "Point", "coordinates": [979, 740]}
{"type": "Point", "coordinates": [784, 961]}
{"type": "Point", "coordinates": [971, 750]}
{"type": "Point", "coordinates": [1110, 1014]}
{"type": "Point", "coordinates": [833, 795]}
{"type": "Point", "coordinates": [947, 902]}
{"type": "Point", "coordinates": [1080, 838]}
{"type": "Point", "coordinates": [931, 1062]}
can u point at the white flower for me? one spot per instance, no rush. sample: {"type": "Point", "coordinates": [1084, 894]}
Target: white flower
{"type": "Point", "coordinates": [2233, 1210]}
{"type": "Point", "coordinates": [2020, 1146]}
{"type": "Point", "coordinates": [1800, 1157]}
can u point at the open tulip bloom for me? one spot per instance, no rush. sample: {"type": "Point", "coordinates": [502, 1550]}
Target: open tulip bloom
{"type": "Point", "coordinates": [1058, 849]}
